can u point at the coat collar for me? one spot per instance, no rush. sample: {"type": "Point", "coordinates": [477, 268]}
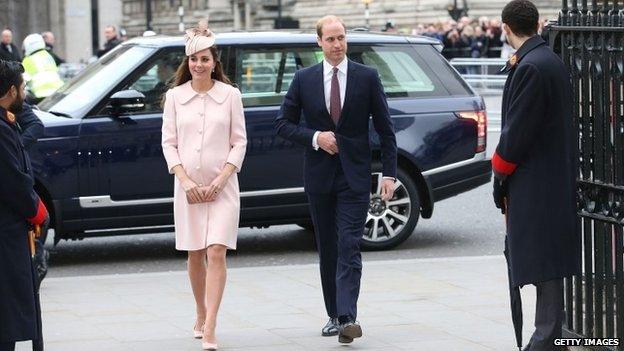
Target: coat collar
{"type": "Point", "coordinates": [219, 92]}
{"type": "Point", "coordinates": [528, 46]}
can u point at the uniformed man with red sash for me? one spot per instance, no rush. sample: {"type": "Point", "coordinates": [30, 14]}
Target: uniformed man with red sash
{"type": "Point", "coordinates": [535, 167]}
{"type": "Point", "coordinates": [21, 212]}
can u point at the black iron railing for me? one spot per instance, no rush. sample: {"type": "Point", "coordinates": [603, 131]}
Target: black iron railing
{"type": "Point", "coordinates": [590, 40]}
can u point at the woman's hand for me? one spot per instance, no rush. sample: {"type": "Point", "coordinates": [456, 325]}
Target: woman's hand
{"type": "Point", "coordinates": [193, 192]}
{"type": "Point", "coordinates": [215, 187]}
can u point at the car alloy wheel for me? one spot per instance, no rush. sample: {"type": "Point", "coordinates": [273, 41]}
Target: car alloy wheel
{"type": "Point", "coordinates": [385, 219]}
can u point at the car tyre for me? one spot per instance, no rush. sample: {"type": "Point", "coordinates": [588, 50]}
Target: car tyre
{"type": "Point", "coordinates": [390, 223]}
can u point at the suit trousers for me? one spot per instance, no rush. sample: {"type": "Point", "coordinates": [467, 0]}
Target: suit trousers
{"type": "Point", "coordinates": [548, 315]}
{"type": "Point", "coordinates": [338, 219]}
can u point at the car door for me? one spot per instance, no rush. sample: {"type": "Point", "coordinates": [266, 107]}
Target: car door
{"type": "Point", "coordinates": [132, 183]}
{"type": "Point", "coordinates": [272, 165]}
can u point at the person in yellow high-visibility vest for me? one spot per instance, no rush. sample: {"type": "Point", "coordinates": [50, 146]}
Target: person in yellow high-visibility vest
{"type": "Point", "coordinates": [40, 70]}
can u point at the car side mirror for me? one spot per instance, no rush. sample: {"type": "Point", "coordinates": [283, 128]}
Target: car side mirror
{"type": "Point", "coordinates": [126, 101]}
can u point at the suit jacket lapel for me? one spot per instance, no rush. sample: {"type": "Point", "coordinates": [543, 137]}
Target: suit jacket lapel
{"type": "Point", "coordinates": [349, 91]}
{"type": "Point", "coordinates": [320, 89]}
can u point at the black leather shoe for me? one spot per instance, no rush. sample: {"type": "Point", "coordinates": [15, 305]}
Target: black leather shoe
{"type": "Point", "coordinates": [349, 331]}
{"type": "Point", "coordinates": [331, 328]}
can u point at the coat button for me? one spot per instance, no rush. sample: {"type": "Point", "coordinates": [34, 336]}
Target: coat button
{"type": "Point", "coordinates": [197, 168]}
{"type": "Point", "coordinates": [197, 149]}
{"type": "Point", "coordinates": [199, 131]}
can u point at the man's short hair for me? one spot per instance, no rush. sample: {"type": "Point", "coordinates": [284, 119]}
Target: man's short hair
{"type": "Point", "coordinates": [111, 27]}
{"type": "Point", "coordinates": [325, 20]}
{"type": "Point", "coordinates": [10, 75]}
{"type": "Point", "coordinates": [522, 17]}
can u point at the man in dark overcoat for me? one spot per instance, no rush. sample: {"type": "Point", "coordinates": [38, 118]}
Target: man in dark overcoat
{"type": "Point", "coordinates": [20, 209]}
{"type": "Point", "coordinates": [535, 166]}
{"type": "Point", "coordinates": [8, 50]}
{"type": "Point", "coordinates": [31, 129]}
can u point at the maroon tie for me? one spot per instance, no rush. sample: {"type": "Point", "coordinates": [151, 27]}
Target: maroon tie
{"type": "Point", "coordinates": [334, 98]}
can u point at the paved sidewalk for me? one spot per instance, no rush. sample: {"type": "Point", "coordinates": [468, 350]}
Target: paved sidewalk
{"type": "Point", "coordinates": [421, 304]}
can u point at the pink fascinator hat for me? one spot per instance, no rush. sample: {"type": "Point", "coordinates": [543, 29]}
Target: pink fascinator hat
{"type": "Point", "coordinates": [198, 39]}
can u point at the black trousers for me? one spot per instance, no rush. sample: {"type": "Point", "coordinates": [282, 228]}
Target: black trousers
{"type": "Point", "coordinates": [339, 218]}
{"type": "Point", "coordinates": [548, 315]}
{"type": "Point", "coordinates": [7, 346]}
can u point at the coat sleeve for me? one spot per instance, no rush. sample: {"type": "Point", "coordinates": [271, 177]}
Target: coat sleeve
{"type": "Point", "coordinates": [16, 186]}
{"type": "Point", "coordinates": [522, 120]}
{"type": "Point", "coordinates": [32, 128]}
{"type": "Point", "coordinates": [382, 122]}
{"type": "Point", "coordinates": [170, 133]}
{"type": "Point", "coordinates": [238, 135]}
{"type": "Point", "coordinates": [287, 121]}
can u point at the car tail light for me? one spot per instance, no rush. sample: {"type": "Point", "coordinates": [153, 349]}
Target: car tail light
{"type": "Point", "coordinates": [481, 118]}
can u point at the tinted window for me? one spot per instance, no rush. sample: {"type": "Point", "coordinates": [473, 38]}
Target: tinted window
{"type": "Point", "coordinates": [84, 91]}
{"type": "Point", "coordinates": [155, 78]}
{"type": "Point", "coordinates": [403, 72]}
{"type": "Point", "coordinates": [264, 75]}
{"type": "Point", "coordinates": [451, 80]}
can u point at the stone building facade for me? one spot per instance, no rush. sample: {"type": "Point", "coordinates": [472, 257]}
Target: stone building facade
{"type": "Point", "coordinates": [73, 23]}
{"type": "Point", "coordinates": [261, 14]}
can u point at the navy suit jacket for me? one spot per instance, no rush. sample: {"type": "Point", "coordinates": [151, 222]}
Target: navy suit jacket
{"type": "Point", "coordinates": [364, 98]}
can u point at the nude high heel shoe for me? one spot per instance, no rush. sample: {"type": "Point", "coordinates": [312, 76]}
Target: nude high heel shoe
{"type": "Point", "coordinates": [208, 346]}
{"type": "Point", "coordinates": [197, 334]}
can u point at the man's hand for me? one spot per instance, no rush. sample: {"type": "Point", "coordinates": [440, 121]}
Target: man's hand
{"type": "Point", "coordinates": [387, 189]}
{"type": "Point", "coordinates": [500, 192]}
{"type": "Point", "coordinates": [327, 142]}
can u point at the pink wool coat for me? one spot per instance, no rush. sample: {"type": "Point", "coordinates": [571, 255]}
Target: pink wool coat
{"type": "Point", "coordinates": [203, 132]}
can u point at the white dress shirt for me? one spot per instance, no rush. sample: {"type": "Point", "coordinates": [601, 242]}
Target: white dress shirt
{"type": "Point", "coordinates": [328, 72]}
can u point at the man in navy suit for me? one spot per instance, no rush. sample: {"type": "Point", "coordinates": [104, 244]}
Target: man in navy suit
{"type": "Point", "coordinates": [337, 98]}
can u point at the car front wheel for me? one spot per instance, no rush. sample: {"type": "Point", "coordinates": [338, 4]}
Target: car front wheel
{"type": "Point", "coordinates": [389, 223]}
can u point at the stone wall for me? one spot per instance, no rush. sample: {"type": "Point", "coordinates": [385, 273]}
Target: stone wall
{"type": "Point", "coordinates": [261, 14]}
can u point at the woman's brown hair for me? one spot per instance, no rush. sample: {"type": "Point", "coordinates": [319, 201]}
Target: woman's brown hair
{"type": "Point", "coordinates": [183, 73]}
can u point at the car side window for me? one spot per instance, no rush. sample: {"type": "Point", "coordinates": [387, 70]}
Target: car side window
{"type": "Point", "coordinates": [402, 72]}
{"type": "Point", "coordinates": [264, 75]}
{"type": "Point", "coordinates": [155, 80]}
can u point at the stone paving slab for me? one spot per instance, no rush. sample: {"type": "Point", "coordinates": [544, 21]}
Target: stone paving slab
{"type": "Point", "coordinates": [419, 304]}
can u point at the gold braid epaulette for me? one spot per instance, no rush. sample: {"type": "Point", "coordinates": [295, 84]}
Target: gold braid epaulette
{"type": "Point", "coordinates": [10, 117]}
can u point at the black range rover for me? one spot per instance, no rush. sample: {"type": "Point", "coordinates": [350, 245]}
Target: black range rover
{"type": "Point", "coordinates": [100, 168]}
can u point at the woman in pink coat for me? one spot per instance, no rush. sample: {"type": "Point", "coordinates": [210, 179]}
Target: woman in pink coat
{"type": "Point", "coordinates": [204, 140]}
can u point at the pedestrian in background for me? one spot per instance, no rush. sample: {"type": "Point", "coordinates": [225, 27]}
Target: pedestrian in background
{"type": "Point", "coordinates": [204, 143]}
{"type": "Point", "coordinates": [112, 40]}
{"type": "Point", "coordinates": [535, 167]}
{"type": "Point", "coordinates": [20, 209]}
{"type": "Point", "coordinates": [8, 50]}
{"type": "Point", "coordinates": [48, 38]}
